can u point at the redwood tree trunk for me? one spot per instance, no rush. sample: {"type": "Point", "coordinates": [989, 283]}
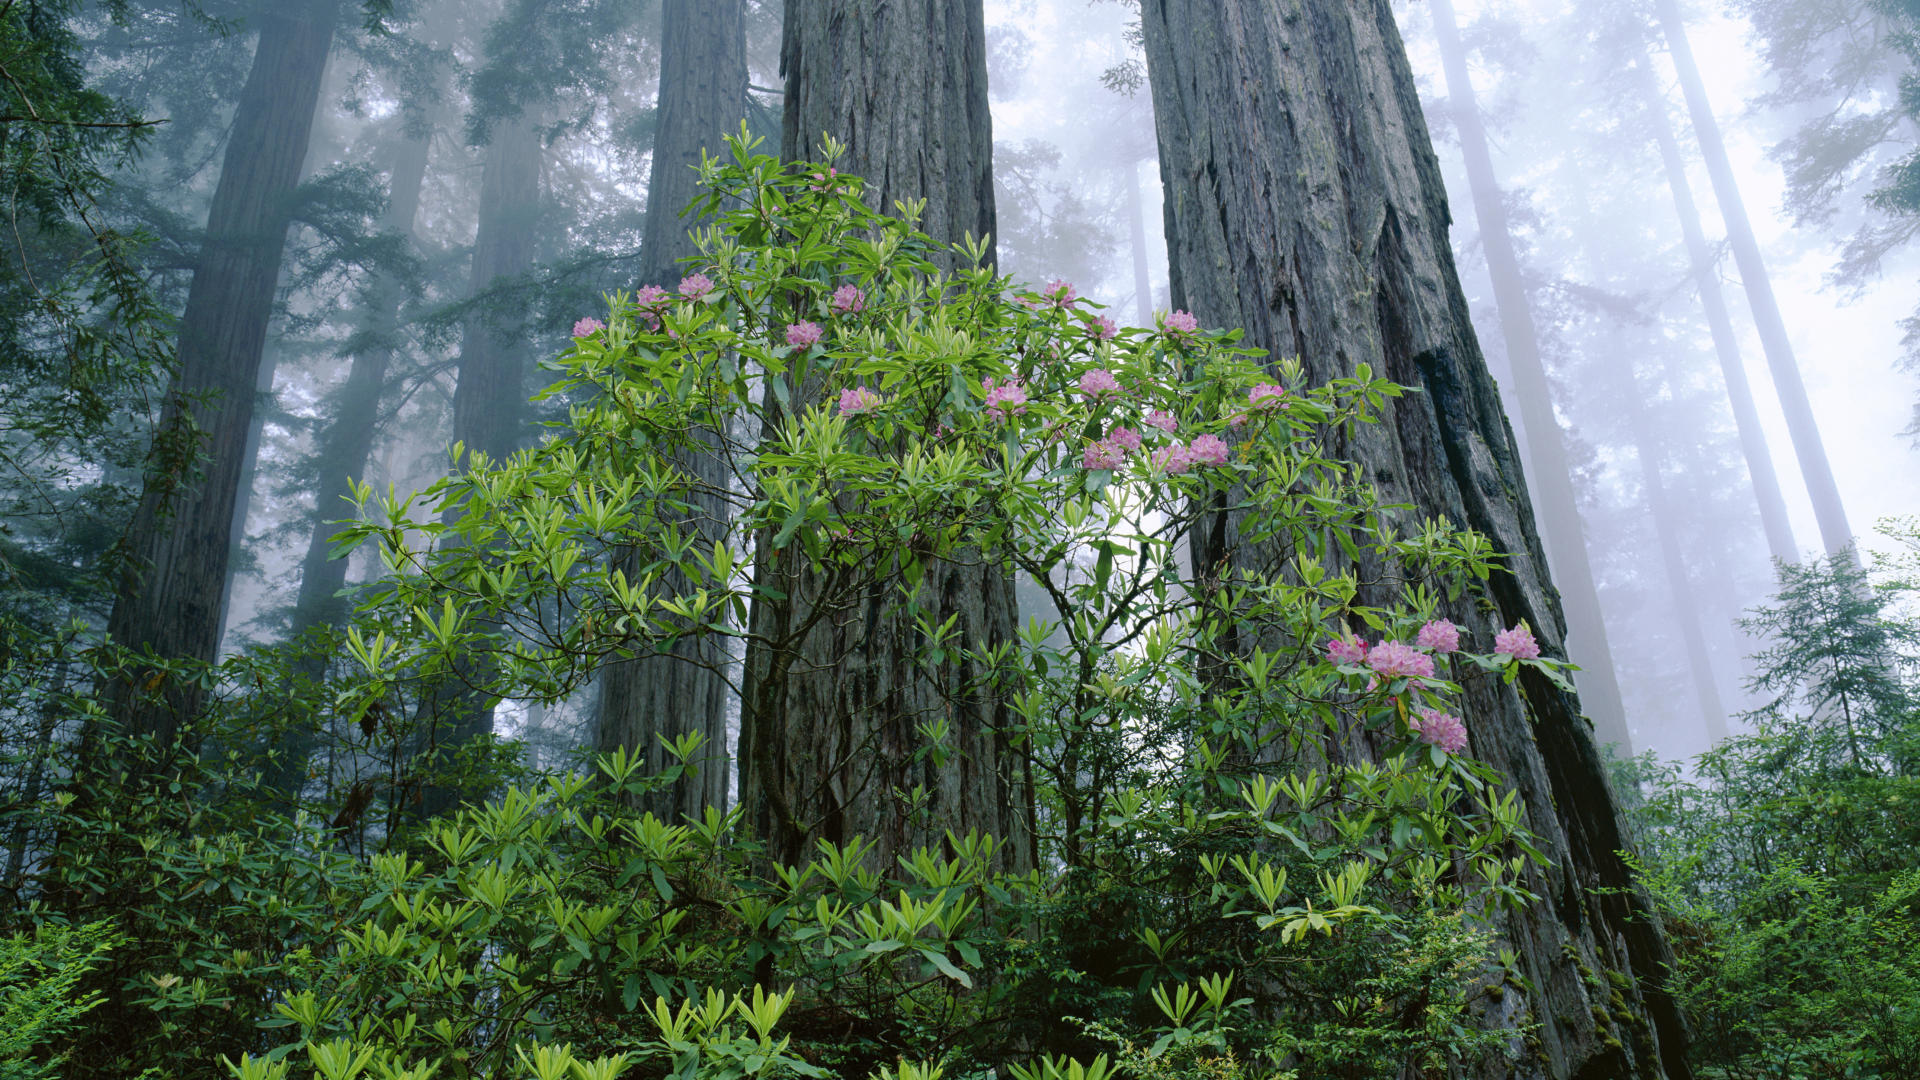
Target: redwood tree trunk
{"type": "Point", "coordinates": [171, 596]}
{"type": "Point", "coordinates": [1706, 279]}
{"type": "Point", "coordinates": [1304, 203]}
{"type": "Point", "coordinates": [832, 728]}
{"type": "Point", "coordinates": [1835, 534]}
{"type": "Point", "coordinates": [1549, 472]}
{"type": "Point", "coordinates": [703, 97]}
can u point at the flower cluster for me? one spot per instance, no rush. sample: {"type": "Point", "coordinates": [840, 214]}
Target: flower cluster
{"type": "Point", "coordinates": [1439, 636]}
{"type": "Point", "coordinates": [1103, 454]}
{"type": "Point", "coordinates": [1101, 328]}
{"type": "Point", "coordinates": [696, 287]}
{"type": "Point", "coordinates": [1393, 660]}
{"type": "Point", "coordinates": [1181, 324]}
{"type": "Point", "coordinates": [1099, 382]}
{"type": "Point", "coordinates": [1005, 399]}
{"type": "Point", "coordinates": [858, 399]}
{"type": "Point", "coordinates": [1351, 649]}
{"type": "Point", "coordinates": [1162, 419]}
{"type": "Point", "coordinates": [588, 327]}
{"type": "Point", "coordinates": [1436, 728]}
{"type": "Point", "coordinates": [848, 300]}
{"type": "Point", "coordinates": [802, 334]}
{"type": "Point", "coordinates": [1125, 438]}
{"type": "Point", "coordinates": [1060, 293]}
{"type": "Point", "coordinates": [1517, 643]}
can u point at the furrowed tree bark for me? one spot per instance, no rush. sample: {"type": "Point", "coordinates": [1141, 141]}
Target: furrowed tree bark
{"type": "Point", "coordinates": [490, 399]}
{"type": "Point", "coordinates": [1550, 474]}
{"type": "Point", "coordinates": [1706, 279]}
{"type": "Point", "coordinates": [644, 699]}
{"type": "Point", "coordinates": [172, 594]}
{"type": "Point", "coordinates": [1304, 203]}
{"type": "Point", "coordinates": [1828, 510]}
{"type": "Point", "coordinates": [832, 729]}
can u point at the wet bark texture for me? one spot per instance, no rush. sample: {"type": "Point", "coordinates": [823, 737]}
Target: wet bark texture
{"type": "Point", "coordinates": [1828, 511]}
{"type": "Point", "coordinates": [1304, 203]}
{"type": "Point", "coordinates": [838, 690]}
{"type": "Point", "coordinates": [703, 97]}
{"type": "Point", "coordinates": [172, 594]}
{"type": "Point", "coordinates": [1550, 475]}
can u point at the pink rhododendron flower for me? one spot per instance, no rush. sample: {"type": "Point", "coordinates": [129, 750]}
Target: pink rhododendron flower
{"type": "Point", "coordinates": [695, 287]}
{"type": "Point", "coordinates": [1060, 293]}
{"type": "Point", "coordinates": [824, 181]}
{"type": "Point", "coordinates": [1440, 635]}
{"type": "Point", "coordinates": [1517, 643]}
{"type": "Point", "coordinates": [648, 301]}
{"type": "Point", "coordinates": [1347, 650]}
{"type": "Point", "coordinates": [1102, 328]}
{"type": "Point", "coordinates": [1103, 455]}
{"type": "Point", "coordinates": [1125, 438]}
{"type": "Point", "coordinates": [858, 399]}
{"type": "Point", "coordinates": [1173, 459]}
{"type": "Point", "coordinates": [1208, 450]}
{"type": "Point", "coordinates": [802, 334]}
{"type": "Point", "coordinates": [1181, 324]}
{"type": "Point", "coordinates": [588, 327]}
{"type": "Point", "coordinates": [848, 299]}
{"type": "Point", "coordinates": [1005, 399]}
{"type": "Point", "coordinates": [1268, 396]}
{"type": "Point", "coordinates": [1396, 661]}
{"type": "Point", "coordinates": [1099, 381]}
{"type": "Point", "coordinates": [1444, 730]}
{"type": "Point", "coordinates": [1162, 419]}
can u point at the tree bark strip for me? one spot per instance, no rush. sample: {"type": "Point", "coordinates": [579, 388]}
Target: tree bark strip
{"type": "Point", "coordinates": [703, 97]}
{"type": "Point", "coordinates": [831, 733]}
{"type": "Point", "coordinates": [1828, 510]}
{"type": "Point", "coordinates": [1304, 203]}
{"type": "Point", "coordinates": [172, 594]}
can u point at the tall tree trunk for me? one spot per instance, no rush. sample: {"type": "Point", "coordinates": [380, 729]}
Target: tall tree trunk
{"type": "Point", "coordinates": [831, 730]}
{"type": "Point", "coordinates": [1667, 524]}
{"type": "Point", "coordinates": [346, 444]}
{"type": "Point", "coordinates": [1706, 279]}
{"type": "Point", "coordinates": [1801, 425]}
{"type": "Point", "coordinates": [1305, 204]}
{"type": "Point", "coordinates": [1550, 474]}
{"type": "Point", "coordinates": [703, 97]}
{"type": "Point", "coordinates": [172, 594]}
{"type": "Point", "coordinates": [490, 399]}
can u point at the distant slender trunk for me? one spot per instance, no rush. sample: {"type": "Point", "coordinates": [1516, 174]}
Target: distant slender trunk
{"type": "Point", "coordinates": [703, 97]}
{"type": "Point", "coordinates": [1801, 425]}
{"type": "Point", "coordinates": [179, 543]}
{"type": "Point", "coordinates": [345, 446]}
{"type": "Point", "coordinates": [1137, 240]}
{"type": "Point", "coordinates": [490, 399]}
{"type": "Point", "coordinates": [1305, 205]}
{"type": "Point", "coordinates": [1746, 416]}
{"type": "Point", "coordinates": [1668, 522]}
{"type": "Point", "coordinates": [347, 443]}
{"type": "Point", "coordinates": [831, 739]}
{"type": "Point", "coordinates": [1551, 476]}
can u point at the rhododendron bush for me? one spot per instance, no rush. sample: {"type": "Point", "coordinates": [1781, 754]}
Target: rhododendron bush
{"type": "Point", "coordinates": [1215, 886]}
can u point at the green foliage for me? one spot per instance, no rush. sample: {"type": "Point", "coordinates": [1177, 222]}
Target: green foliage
{"type": "Point", "coordinates": [40, 997]}
{"type": "Point", "coordinates": [1784, 862]}
{"type": "Point", "coordinates": [1208, 892]}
